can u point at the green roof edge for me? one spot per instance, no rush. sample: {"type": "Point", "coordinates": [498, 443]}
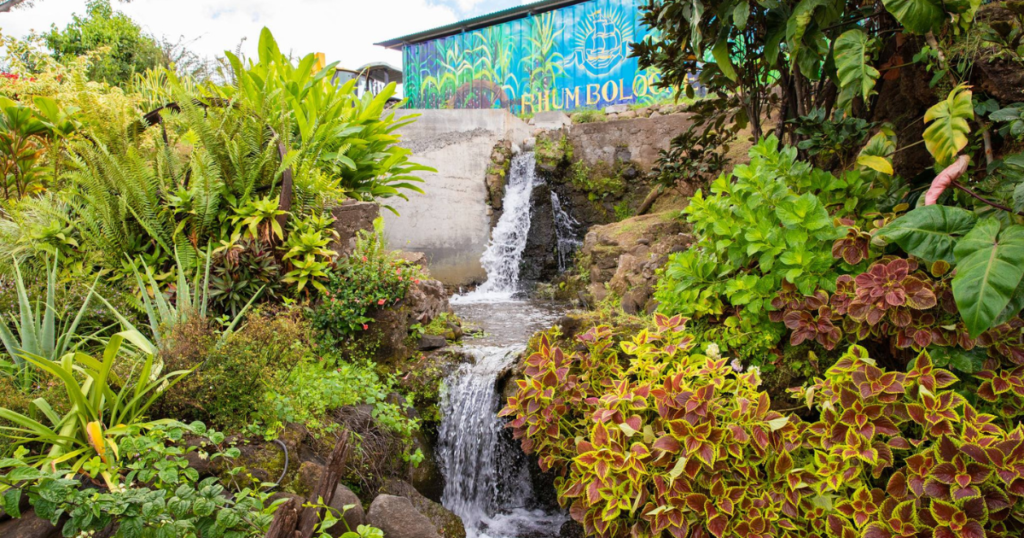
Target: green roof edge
{"type": "Point", "coordinates": [481, 21]}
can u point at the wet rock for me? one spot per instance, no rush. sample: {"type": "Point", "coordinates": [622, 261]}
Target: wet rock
{"type": "Point", "coordinates": [540, 260]}
{"type": "Point", "coordinates": [29, 525]}
{"type": "Point", "coordinates": [571, 529]}
{"type": "Point", "coordinates": [398, 519]}
{"type": "Point", "coordinates": [426, 300]}
{"type": "Point", "coordinates": [447, 524]}
{"type": "Point", "coordinates": [354, 516]}
{"type": "Point", "coordinates": [430, 342]}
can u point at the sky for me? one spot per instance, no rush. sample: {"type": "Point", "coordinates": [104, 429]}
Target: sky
{"type": "Point", "coordinates": [345, 30]}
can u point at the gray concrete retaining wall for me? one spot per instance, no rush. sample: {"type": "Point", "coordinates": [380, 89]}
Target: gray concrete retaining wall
{"type": "Point", "coordinates": [449, 222]}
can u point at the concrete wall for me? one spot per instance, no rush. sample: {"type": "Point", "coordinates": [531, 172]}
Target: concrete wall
{"type": "Point", "coordinates": [450, 223]}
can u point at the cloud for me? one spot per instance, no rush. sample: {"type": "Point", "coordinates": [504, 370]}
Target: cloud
{"type": "Point", "coordinates": [343, 29]}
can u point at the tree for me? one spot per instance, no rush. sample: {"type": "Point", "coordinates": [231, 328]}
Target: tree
{"type": "Point", "coordinates": [120, 46]}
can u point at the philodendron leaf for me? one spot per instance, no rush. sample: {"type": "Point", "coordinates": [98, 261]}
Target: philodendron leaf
{"type": "Point", "coordinates": [853, 54]}
{"type": "Point", "coordinates": [947, 134]}
{"type": "Point", "coordinates": [876, 163]}
{"type": "Point", "coordinates": [919, 16]}
{"type": "Point", "coordinates": [930, 232]}
{"type": "Point", "coordinates": [989, 267]}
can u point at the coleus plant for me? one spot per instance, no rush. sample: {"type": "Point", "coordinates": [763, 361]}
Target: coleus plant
{"type": "Point", "coordinates": [648, 437]}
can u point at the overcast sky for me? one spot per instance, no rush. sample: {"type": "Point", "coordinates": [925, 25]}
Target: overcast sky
{"type": "Point", "coordinates": [343, 29]}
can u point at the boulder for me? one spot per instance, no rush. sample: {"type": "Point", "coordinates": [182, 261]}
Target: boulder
{"type": "Point", "coordinates": [430, 342]}
{"type": "Point", "coordinates": [354, 516]}
{"type": "Point", "coordinates": [398, 519]}
{"type": "Point", "coordinates": [29, 525]}
{"type": "Point", "coordinates": [412, 258]}
{"type": "Point", "coordinates": [616, 109]}
{"type": "Point", "coordinates": [426, 300]}
{"type": "Point", "coordinates": [448, 524]}
{"type": "Point", "coordinates": [350, 217]}
{"type": "Point", "coordinates": [553, 119]}
{"type": "Point", "coordinates": [307, 478]}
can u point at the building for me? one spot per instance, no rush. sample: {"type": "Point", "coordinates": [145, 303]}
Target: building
{"type": "Point", "coordinates": [547, 55]}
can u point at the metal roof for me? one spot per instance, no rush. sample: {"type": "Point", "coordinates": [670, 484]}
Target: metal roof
{"type": "Point", "coordinates": [475, 23]}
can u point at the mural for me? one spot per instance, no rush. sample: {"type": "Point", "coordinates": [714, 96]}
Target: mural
{"type": "Point", "coordinates": [574, 57]}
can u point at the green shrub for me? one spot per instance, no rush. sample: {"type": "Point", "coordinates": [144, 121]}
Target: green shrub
{"type": "Point", "coordinates": [161, 495]}
{"type": "Point", "coordinates": [370, 278]}
{"type": "Point", "coordinates": [230, 378]}
{"type": "Point", "coordinates": [770, 224]}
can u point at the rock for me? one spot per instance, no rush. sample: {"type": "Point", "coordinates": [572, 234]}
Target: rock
{"type": "Point", "coordinates": [627, 115]}
{"type": "Point", "coordinates": [354, 516]}
{"type": "Point", "coordinates": [430, 342]}
{"type": "Point", "coordinates": [552, 120]}
{"type": "Point", "coordinates": [655, 114]}
{"type": "Point", "coordinates": [398, 519]}
{"type": "Point", "coordinates": [540, 260]}
{"type": "Point", "coordinates": [571, 529]}
{"type": "Point", "coordinates": [29, 525]}
{"type": "Point", "coordinates": [616, 109]}
{"type": "Point", "coordinates": [455, 331]}
{"type": "Point", "coordinates": [448, 524]}
{"type": "Point", "coordinates": [350, 217]}
{"type": "Point", "coordinates": [426, 300]}
{"type": "Point", "coordinates": [635, 300]}
{"type": "Point", "coordinates": [308, 477]}
{"type": "Point", "coordinates": [529, 143]}
{"type": "Point", "coordinates": [413, 258]}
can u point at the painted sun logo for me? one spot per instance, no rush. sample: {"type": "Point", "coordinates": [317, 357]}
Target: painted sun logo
{"type": "Point", "coordinates": [602, 40]}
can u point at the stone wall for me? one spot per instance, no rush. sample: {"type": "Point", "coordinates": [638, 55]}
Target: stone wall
{"type": "Point", "coordinates": [637, 139]}
{"type": "Point", "coordinates": [450, 221]}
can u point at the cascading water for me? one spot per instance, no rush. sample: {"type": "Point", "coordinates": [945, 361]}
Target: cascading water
{"type": "Point", "coordinates": [487, 478]}
{"type": "Point", "coordinates": [565, 232]}
{"type": "Point", "coordinates": [505, 252]}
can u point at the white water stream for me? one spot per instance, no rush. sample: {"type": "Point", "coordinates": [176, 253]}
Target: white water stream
{"type": "Point", "coordinates": [487, 478]}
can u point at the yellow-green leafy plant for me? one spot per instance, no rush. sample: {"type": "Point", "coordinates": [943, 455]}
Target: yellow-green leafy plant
{"type": "Point", "coordinates": [104, 406]}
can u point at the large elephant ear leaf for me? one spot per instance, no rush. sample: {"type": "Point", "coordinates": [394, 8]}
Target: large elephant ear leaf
{"type": "Point", "coordinates": [988, 271]}
{"type": "Point", "coordinates": [930, 232]}
{"type": "Point", "coordinates": [853, 53]}
{"type": "Point", "coordinates": [947, 134]}
{"type": "Point", "coordinates": [919, 16]}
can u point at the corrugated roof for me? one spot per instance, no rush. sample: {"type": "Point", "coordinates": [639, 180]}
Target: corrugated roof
{"type": "Point", "coordinates": [474, 23]}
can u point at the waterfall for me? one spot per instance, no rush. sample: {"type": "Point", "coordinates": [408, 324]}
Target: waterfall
{"type": "Point", "coordinates": [565, 232]}
{"type": "Point", "coordinates": [487, 481]}
{"type": "Point", "coordinates": [508, 239]}
{"type": "Point", "coordinates": [487, 477]}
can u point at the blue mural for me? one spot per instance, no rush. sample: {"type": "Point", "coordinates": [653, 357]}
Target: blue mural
{"type": "Point", "coordinates": [569, 58]}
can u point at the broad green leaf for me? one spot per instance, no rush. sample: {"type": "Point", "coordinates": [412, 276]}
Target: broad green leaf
{"type": "Point", "coordinates": [721, 54]}
{"type": "Point", "coordinates": [947, 133]}
{"type": "Point", "coordinates": [988, 271]}
{"type": "Point", "coordinates": [930, 232]}
{"type": "Point", "coordinates": [919, 16]}
{"type": "Point", "coordinates": [876, 163]}
{"type": "Point", "coordinates": [853, 53]}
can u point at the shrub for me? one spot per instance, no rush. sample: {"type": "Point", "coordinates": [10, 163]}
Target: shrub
{"type": "Point", "coordinates": [370, 278]}
{"type": "Point", "coordinates": [589, 116]}
{"type": "Point", "coordinates": [771, 224]}
{"type": "Point", "coordinates": [162, 495]}
{"type": "Point", "coordinates": [646, 436]}
{"type": "Point", "coordinates": [230, 378]}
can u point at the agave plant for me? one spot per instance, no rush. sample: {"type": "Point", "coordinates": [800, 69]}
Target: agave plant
{"type": "Point", "coordinates": [104, 407]}
{"type": "Point", "coordinates": [39, 333]}
{"type": "Point", "coordinates": [191, 300]}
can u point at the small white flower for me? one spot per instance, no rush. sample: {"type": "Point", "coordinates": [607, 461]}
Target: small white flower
{"type": "Point", "coordinates": [712, 351]}
{"type": "Point", "coordinates": [736, 365]}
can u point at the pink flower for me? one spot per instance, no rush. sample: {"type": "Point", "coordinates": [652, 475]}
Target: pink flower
{"type": "Point", "coordinates": [399, 279]}
{"type": "Point", "coordinates": [380, 301]}
{"type": "Point", "coordinates": [364, 259]}
{"type": "Point", "coordinates": [365, 326]}
{"type": "Point", "coordinates": [945, 179]}
{"type": "Point", "coordinates": [416, 280]}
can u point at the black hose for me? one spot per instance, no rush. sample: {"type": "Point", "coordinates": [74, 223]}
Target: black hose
{"type": "Point", "coordinates": [285, 471]}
